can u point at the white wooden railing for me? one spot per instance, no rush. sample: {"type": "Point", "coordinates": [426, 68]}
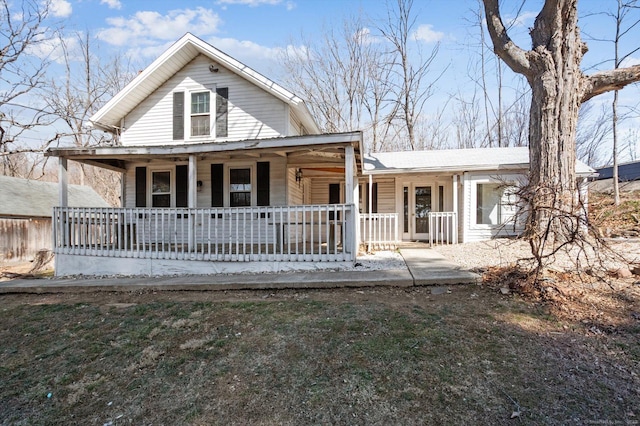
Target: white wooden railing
{"type": "Point", "coordinates": [379, 231]}
{"type": "Point", "coordinates": [443, 228]}
{"type": "Point", "coordinates": [283, 233]}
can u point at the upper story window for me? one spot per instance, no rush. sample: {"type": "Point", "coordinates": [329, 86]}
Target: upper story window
{"type": "Point", "coordinates": [200, 114]}
{"type": "Point", "coordinates": [197, 115]}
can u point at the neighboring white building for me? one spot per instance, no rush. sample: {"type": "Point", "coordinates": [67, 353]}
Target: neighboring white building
{"type": "Point", "coordinates": [224, 170]}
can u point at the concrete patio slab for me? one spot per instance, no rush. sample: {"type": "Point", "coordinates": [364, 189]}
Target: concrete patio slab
{"type": "Point", "coordinates": [428, 267]}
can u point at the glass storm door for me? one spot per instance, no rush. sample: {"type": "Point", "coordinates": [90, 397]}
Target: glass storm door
{"type": "Point", "coordinates": [421, 208]}
{"type": "Point", "coordinates": [417, 202]}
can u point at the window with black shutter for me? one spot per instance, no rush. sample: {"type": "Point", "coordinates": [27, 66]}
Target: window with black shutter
{"type": "Point", "coordinates": [222, 111]}
{"type": "Point", "coordinates": [182, 186]}
{"type": "Point", "coordinates": [217, 185]}
{"type": "Point", "coordinates": [141, 187]}
{"type": "Point", "coordinates": [263, 183]}
{"type": "Point", "coordinates": [178, 115]}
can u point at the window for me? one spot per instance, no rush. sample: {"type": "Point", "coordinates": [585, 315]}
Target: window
{"type": "Point", "coordinates": [488, 205]}
{"type": "Point", "coordinates": [240, 187]}
{"type": "Point", "coordinates": [161, 189]}
{"type": "Point", "coordinates": [200, 114]}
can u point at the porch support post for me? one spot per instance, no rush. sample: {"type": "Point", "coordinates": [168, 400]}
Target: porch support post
{"type": "Point", "coordinates": [370, 210]}
{"type": "Point", "coordinates": [63, 182]}
{"type": "Point", "coordinates": [193, 182]}
{"type": "Point", "coordinates": [191, 202]}
{"type": "Point", "coordinates": [351, 198]}
{"type": "Point", "coordinates": [455, 208]}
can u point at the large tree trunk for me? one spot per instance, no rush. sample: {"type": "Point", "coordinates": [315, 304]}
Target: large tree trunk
{"type": "Point", "coordinates": [552, 68]}
{"type": "Point", "coordinates": [555, 65]}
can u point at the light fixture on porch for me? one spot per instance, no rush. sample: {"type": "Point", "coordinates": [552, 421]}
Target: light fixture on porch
{"type": "Point", "coordinates": [299, 176]}
{"type": "Point", "coordinates": [199, 186]}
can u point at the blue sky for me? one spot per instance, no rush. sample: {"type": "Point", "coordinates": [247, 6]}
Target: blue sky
{"type": "Point", "coordinates": [255, 31]}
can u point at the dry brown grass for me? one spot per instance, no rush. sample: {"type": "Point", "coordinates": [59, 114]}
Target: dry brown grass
{"type": "Point", "coordinates": [371, 356]}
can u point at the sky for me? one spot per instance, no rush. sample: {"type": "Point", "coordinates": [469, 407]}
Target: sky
{"type": "Point", "coordinates": [255, 31]}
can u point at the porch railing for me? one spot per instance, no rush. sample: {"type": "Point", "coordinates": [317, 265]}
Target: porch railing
{"type": "Point", "coordinates": [443, 228]}
{"type": "Point", "coordinates": [379, 231]}
{"type": "Point", "coordinates": [283, 233]}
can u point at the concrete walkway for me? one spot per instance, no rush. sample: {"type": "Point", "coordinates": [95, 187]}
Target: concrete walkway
{"type": "Point", "coordinates": [424, 267]}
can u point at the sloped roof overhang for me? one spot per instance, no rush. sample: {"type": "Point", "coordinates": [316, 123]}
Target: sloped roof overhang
{"type": "Point", "coordinates": [116, 157]}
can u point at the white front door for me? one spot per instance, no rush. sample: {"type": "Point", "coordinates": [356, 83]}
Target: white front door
{"type": "Point", "coordinates": [418, 203]}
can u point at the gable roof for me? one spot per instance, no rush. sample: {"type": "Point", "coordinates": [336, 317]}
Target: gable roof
{"type": "Point", "coordinates": [33, 198]}
{"type": "Point", "coordinates": [173, 60]}
{"type": "Point", "coordinates": [454, 160]}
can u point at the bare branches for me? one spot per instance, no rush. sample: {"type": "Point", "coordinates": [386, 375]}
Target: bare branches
{"type": "Point", "coordinates": [22, 32]}
{"type": "Point", "coordinates": [515, 57]}
{"type": "Point", "coordinates": [606, 81]}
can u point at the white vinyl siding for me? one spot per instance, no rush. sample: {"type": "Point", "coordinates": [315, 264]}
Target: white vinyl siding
{"type": "Point", "coordinates": [203, 199]}
{"type": "Point", "coordinates": [253, 113]}
{"type": "Point", "coordinates": [478, 232]}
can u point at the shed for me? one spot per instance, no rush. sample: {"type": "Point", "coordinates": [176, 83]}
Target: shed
{"type": "Point", "coordinates": [26, 207]}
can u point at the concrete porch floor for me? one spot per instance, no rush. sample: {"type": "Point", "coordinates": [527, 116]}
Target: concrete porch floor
{"type": "Point", "coordinates": [424, 267]}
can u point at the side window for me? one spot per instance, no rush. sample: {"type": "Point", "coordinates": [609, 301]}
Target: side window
{"type": "Point", "coordinates": [495, 204]}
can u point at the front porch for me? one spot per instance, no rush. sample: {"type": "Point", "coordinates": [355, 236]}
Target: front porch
{"type": "Point", "coordinates": [306, 233]}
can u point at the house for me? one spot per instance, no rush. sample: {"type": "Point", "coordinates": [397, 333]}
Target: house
{"type": "Point", "coordinates": [453, 195]}
{"type": "Point", "coordinates": [627, 172]}
{"type": "Point", "coordinates": [25, 214]}
{"type": "Point", "coordinates": [224, 171]}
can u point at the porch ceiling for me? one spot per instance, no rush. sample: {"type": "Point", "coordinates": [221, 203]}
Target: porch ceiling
{"type": "Point", "coordinates": [301, 151]}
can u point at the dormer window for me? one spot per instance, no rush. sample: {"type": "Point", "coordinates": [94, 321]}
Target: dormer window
{"type": "Point", "coordinates": [200, 114]}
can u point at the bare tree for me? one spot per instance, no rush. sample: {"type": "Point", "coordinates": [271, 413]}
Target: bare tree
{"type": "Point", "coordinates": [411, 88]}
{"type": "Point", "coordinates": [559, 87]}
{"type": "Point", "coordinates": [22, 74]}
{"type": "Point", "coordinates": [87, 84]}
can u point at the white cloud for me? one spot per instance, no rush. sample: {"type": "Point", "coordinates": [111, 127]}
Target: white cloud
{"type": "Point", "coordinates": [630, 61]}
{"type": "Point", "coordinates": [426, 33]}
{"type": "Point", "coordinates": [113, 4]}
{"type": "Point", "coordinates": [148, 27]}
{"type": "Point", "coordinates": [52, 49]}
{"type": "Point", "coordinates": [60, 8]}
{"type": "Point", "coordinates": [524, 19]}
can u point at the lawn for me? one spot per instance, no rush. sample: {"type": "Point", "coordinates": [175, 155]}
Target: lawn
{"type": "Point", "coordinates": [343, 356]}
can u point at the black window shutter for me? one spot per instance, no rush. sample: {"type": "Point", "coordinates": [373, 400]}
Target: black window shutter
{"type": "Point", "coordinates": [334, 198]}
{"type": "Point", "coordinates": [263, 184]}
{"type": "Point", "coordinates": [182, 186]}
{"type": "Point", "coordinates": [178, 115]}
{"type": "Point", "coordinates": [222, 110]}
{"type": "Point", "coordinates": [374, 198]}
{"type": "Point", "coordinates": [217, 185]}
{"type": "Point", "coordinates": [141, 187]}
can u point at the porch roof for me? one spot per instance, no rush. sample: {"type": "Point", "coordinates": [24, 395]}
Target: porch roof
{"type": "Point", "coordinates": [328, 147]}
{"type": "Point", "coordinates": [454, 160]}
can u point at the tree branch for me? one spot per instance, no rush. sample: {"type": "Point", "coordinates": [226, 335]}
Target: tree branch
{"type": "Point", "coordinates": [514, 56]}
{"type": "Point", "coordinates": [606, 81]}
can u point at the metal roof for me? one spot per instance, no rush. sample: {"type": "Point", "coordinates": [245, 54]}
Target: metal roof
{"type": "Point", "coordinates": [173, 60]}
{"type": "Point", "coordinates": [33, 198]}
{"type": "Point", "coordinates": [626, 171]}
{"type": "Point", "coordinates": [454, 160]}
